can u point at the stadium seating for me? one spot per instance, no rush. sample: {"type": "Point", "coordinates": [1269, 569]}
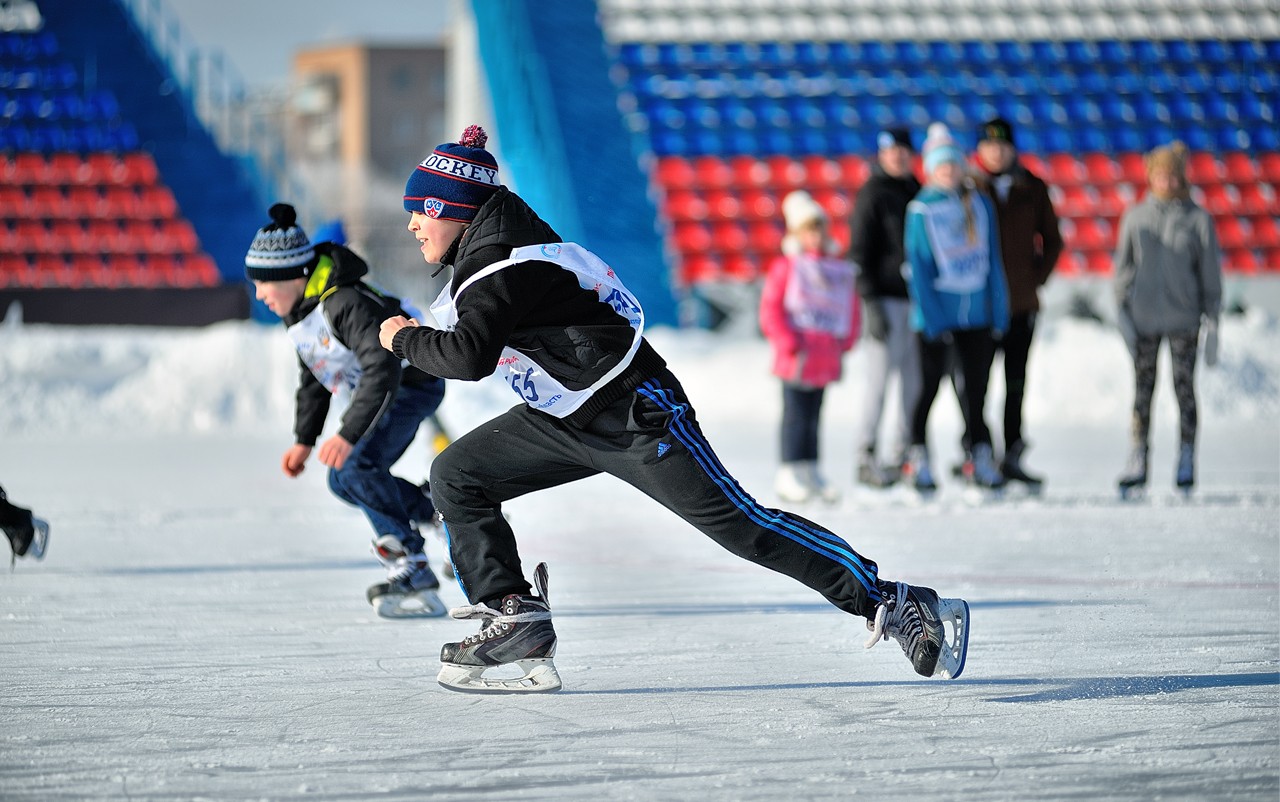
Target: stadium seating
{"type": "Point", "coordinates": [81, 205]}
{"type": "Point", "coordinates": [742, 101]}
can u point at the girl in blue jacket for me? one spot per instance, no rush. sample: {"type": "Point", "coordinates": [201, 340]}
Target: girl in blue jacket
{"type": "Point", "coordinates": [959, 302]}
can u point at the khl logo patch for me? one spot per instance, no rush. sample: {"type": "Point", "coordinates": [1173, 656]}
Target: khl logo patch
{"type": "Point", "coordinates": [432, 207]}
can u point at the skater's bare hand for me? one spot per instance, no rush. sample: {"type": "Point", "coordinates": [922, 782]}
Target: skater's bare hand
{"type": "Point", "coordinates": [389, 328]}
{"type": "Point", "coordinates": [295, 459]}
{"type": "Point", "coordinates": [334, 452]}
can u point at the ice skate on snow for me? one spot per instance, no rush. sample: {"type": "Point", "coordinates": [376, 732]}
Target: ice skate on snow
{"type": "Point", "coordinates": [1133, 482]}
{"type": "Point", "coordinates": [1185, 478]}
{"type": "Point", "coordinates": [28, 535]}
{"type": "Point", "coordinates": [519, 633]}
{"type": "Point", "coordinates": [410, 589]}
{"type": "Point", "coordinates": [1012, 469]}
{"type": "Point", "coordinates": [916, 618]}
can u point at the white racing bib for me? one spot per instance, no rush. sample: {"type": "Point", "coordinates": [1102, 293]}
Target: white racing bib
{"type": "Point", "coordinates": [963, 264]}
{"type": "Point", "coordinates": [535, 386]}
{"type": "Point", "coordinates": [333, 364]}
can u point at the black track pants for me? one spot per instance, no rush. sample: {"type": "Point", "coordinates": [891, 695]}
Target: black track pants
{"type": "Point", "coordinates": [651, 440]}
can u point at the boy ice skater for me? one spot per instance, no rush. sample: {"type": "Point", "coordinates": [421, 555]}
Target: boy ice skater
{"type": "Point", "coordinates": [332, 318]}
{"type": "Point", "coordinates": [595, 397]}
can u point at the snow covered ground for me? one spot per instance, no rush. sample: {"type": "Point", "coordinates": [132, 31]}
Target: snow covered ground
{"type": "Point", "coordinates": [199, 629]}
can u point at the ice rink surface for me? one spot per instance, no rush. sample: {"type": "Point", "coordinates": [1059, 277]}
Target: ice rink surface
{"type": "Point", "coordinates": [199, 629]}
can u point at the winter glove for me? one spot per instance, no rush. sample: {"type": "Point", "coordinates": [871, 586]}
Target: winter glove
{"type": "Point", "coordinates": [1211, 341]}
{"type": "Point", "coordinates": [877, 323]}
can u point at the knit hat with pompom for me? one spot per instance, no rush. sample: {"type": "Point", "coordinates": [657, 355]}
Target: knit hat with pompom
{"type": "Point", "coordinates": [939, 147]}
{"type": "Point", "coordinates": [455, 180]}
{"type": "Point", "coordinates": [280, 250]}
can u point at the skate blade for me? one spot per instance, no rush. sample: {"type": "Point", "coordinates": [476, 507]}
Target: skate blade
{"type": "Point", "coordinates": [421, 604]}
{"type": "Point", "coordinates": [39, 540]}
{"type": "Point", "coordinates": [540, 676]}
{"type": "Point", "coordinates": [954, 650]}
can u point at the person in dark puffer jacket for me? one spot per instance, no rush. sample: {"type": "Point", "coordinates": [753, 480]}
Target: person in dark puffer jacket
{"type": "Point", "coordinates": [332, 317]}
{"type": "Point", "coordinates": [563, 331]}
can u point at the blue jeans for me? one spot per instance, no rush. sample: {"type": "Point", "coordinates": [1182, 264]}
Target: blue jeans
{"type": "Point", "coordinates": [365, 481]}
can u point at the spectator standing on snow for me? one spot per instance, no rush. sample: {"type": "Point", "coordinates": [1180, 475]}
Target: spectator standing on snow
{"type": "Point", "coordinates": [1030, 244]}
{"type": "Point", "coordinates": [875, 246]}
{"type": "Point", "coordinates": [958, 300]}
{"type": "Point", "coordinates": [809, 313]}
{"type": "Point", "coordinates": [1168, 285]}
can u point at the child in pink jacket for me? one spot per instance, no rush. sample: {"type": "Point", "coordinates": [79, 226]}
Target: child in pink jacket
{"type": "Point", "coordinates": [809, 312]}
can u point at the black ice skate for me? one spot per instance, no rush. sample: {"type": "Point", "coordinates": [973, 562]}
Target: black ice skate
{"type": "Point", "coordinates": [410, 589]}
{"type": "Point", "coordinates": [1013, 470]}
{"type": "Point", "coordinates": [915, 617]}
{"type": "Point", "coordinates": [1185, 478]}
{"type": "Point", "coordinates": [519, 633]}
{"type": "Point", "coordinates": [1133, 482]}
{"type": "Point", "coordinates": [28, 535]}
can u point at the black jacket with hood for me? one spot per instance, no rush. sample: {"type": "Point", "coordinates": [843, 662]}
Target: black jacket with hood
{"type": "Point", "coordinates": [355, 313]}
{"type": "Point", "coordinates": [876, 233]}
{"type": "Point", "coordinates": [535, 307]}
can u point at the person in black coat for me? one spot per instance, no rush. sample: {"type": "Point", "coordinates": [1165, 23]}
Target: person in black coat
{"type": "Point", "coordinates": [562, 330]}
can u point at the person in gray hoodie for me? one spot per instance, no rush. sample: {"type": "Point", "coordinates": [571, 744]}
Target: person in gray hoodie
{"type": "Point", "coordinates": [1168, 284]}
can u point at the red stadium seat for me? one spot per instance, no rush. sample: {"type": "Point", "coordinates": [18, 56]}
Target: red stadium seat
{"type": "Point", "coordinates": [1239, 168]}
{"type": "Point", "coordinates": [15, 271]}
{"type": "Point", "coordinates": [748, 171]}
{"type": "Point", "coordinates": [1093, 234]}
{"type": "Point", "coordinates": [47, 201]}
{"type": "Point", "coordinates": [204, 269]}
{"type": "Point", "coordinates": [157, 203]}
{"type": "Point", "coordinates": [759, 204]}
{"type": "Point", "coordinates": [1132, 168]}
{"type": "Point", "coordinates": [1065, 170]}
{"type": "Point", "coordinates": [180, 237]}
{"type": "Point", "coordinates": [1266, 232]}
{"type": "Point", "coordinates": [822, 173]}
{"type": "Point", "coordinates": [765, 236]}
{"type": "Point", "coordinates": [855, 171]}
{"type": "Point", "coordinates": [65, 169]}
{"type": "Point", "coordinates": [741, 267]}
{"type": "Point", "coordinates": [684, 204]}
{"type": "Point", "coordinates": [1258, 197]}
{"type": "Point", "coordinates": [1218, 199]}
{"type": "Point", "coordinates": [29, 169]}
{"type": "Point", "coordinates": [104, 168]}
{"type": "Point", "coordinates": [71, 236]}
{"type": "Point", "coordinates": [694, 269]}
{"type": "Point", "coordinates": [87, 202]}
{"type": "Point", "coordinates": [1204, 168]}
{"type": "Point", "coordinates": [838, 204]}
{"type": "Point", "coordinates": [140, 169]}
{"type": "Point", "coordinates": [30, 236]}
{"type": "Point", "coordinates": [674, 173]}
{"type": "Point", "coordinates": [1098, 262]}
{"type": "Point", "coordinates": [712, 172]}
{"type": "Point", "coordinates": [723, 204]}
{"type": "Point", "coordinates": [1269, 167]}
{"type": "Point", "coordinates": [1100, 169]}
{"type": "Point", "coordinates": [1234, 232]}
{"type": "Point", "coordinates": [107, 237]}
{"type": "Point", "coordinates": [691, 237]}
{"type": "Point", "coordinates": [785, 174]}
{"type": "Point", "coordinates": [1241, 260]}
{"type": "Point", "coordinates": [728, 236]}
{"type": "Point", "coordinates": [121, 202]}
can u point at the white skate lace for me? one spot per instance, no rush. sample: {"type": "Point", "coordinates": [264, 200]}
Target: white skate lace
{"type": "Point", "coordinates": [897, 618]}
{"type": "Point", "coordinates": [494, 622]}
{"type": "Point", "coordinates": [404, 567]}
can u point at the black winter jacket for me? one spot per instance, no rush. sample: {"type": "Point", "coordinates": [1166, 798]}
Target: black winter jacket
{"type": "Point", "coordinates": [875, 234]}
{"type": "Point", "coordinates": [535, 307]}
{"type": "Point", "coordinates": [355, 313]}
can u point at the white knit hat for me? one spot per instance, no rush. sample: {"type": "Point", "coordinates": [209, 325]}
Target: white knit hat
{"type": "Point", "coordinates": [799, 209]}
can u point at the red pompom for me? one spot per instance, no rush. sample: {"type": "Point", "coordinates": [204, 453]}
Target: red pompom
{"type": "Point", "coordinates": [473, 137]}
